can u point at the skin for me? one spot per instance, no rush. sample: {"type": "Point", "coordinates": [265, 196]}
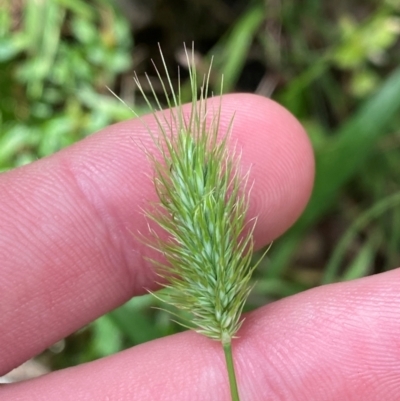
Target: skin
{"type": "Point", "coordinates": [68, 256]}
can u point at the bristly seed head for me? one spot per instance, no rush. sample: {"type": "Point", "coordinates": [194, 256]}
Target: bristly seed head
{"type": "Point", "coordinates": [202, 209]}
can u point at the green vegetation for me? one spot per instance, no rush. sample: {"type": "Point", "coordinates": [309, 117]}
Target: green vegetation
{"type": "Point", "coordinates": [208, 249]}
{"type": "Point", "coordinates": [57, 59]}
{"type": "Point", "coordinates": [334, 65]}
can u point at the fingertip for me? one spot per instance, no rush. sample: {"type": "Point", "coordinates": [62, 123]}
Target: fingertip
{"type": "Point", "coordinates": [278, 152]}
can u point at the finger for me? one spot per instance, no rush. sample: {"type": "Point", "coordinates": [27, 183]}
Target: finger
{"type": "Point", "coordinates": [337, 342]}
{"type": "Point", "coordinates": [69, 247]}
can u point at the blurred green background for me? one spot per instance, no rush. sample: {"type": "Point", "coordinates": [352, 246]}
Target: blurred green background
{"type": "Point", "coordinates": [335, 65]}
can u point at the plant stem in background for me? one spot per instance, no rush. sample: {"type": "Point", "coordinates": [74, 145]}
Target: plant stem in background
{"type": "Point", "coordinates": [202, 206]}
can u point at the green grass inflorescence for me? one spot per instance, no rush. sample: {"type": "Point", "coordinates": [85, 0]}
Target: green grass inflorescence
{"type": "Point", "coordinates": [202, 209]}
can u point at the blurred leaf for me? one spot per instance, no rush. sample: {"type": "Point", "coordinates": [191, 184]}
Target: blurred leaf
{"type": "Point", "coordinates": [351, 145]}
{"type": "Point", "coordinates": [231, 51]}
{"type": "Point", "coordinates": [332, 268]}
{"type": "Point", "coordinates": [107, 105]}
{"type": "Point", "coordinates": [10, 47]}
{"type": "Point", "coordinates": [278, 287]}
{"type": "Point", "coordinates": [106, 337]}
{"type": "Point", "coordinates": [82, 8]}
{"type": "Point", "coordinates": [365, 41]}
{"type": "Point", "coordinates": [339, 160]}
{"type": "Point", "coordinates": [134, 322]}
{"type": "Point", "coordinates": [57, 134]}
{"type": "Point", "coordinates": [5, 18]}
{"type": "Point", "coordinates": [361, 265]}
{"type": "Point", "coordinates": [364, 82]}
{"type": "Point", "coordinates": [84, 30]}
{"type": "Point", "coordinates": [15, 141]}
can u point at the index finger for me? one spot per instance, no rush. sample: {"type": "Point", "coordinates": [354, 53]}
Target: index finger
{"type": "Point", "coordinates": [67, 249]}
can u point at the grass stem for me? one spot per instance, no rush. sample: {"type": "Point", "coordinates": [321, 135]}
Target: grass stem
{"type": "Point", "coordinates": [231, 371]}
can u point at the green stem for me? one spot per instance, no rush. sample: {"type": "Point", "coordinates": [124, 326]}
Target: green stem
{"type": "Point", "coordinates": [231, 371]}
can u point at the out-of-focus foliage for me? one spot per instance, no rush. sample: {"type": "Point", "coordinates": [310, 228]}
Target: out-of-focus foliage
{"type": "Point", "coordinates": [335, 65]}
{"type": "Point", "coordinates": [56, 60]}
{"type": "Point", "coordinates": [365, 45]}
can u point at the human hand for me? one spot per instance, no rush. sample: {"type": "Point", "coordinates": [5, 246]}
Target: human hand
{"type": "Point", "coordinates": [68, 256]}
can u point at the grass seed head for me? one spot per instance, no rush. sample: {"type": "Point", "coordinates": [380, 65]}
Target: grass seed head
{"type": "Point", "coordinates": [202, 208]}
